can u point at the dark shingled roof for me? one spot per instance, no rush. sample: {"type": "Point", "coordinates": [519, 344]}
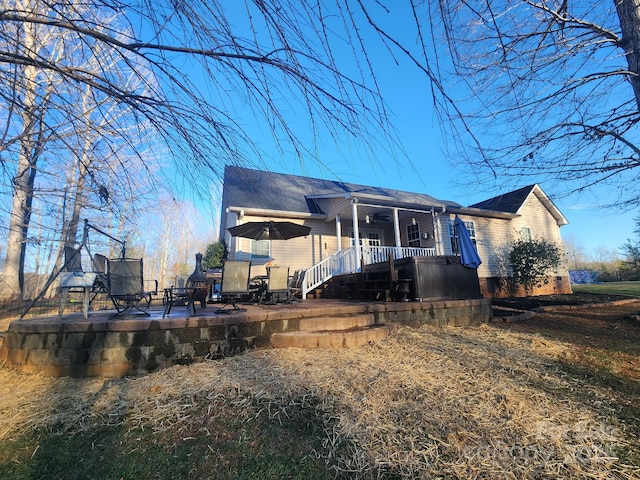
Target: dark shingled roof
{"type": "Point", "coordinates": [279, 192]}
{"type": "Point", "coordinates": [269, 191]}
{"type": "Point", "coordinates": [507, 202]}
{"type": "Point", "coordinates": [260, 189]}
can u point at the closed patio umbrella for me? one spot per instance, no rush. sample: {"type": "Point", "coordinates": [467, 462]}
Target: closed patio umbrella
{"type": "Point", "coordinates": [468, 254]}
{"type": "Point", "coordinates": [269, 230]}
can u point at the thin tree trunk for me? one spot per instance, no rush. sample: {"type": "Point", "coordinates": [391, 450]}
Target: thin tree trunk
{"type": "Point", "coordinates": [79, 195]}
{"type": "Point", "coordinates": [629, 15]}
{"type": "Point", "coordinates": [13, 272]}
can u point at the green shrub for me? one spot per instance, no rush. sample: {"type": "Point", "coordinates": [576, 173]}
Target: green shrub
{"type": "Point", "coordinates": [531, 262]}
{"type": "Point", "coordinates": [215, 255]}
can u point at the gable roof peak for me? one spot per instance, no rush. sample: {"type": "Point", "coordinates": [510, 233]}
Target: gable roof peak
{"type": "Point", "coordinates": [511, 202]}
{"type": "Point", "coordinates": [507, 202]}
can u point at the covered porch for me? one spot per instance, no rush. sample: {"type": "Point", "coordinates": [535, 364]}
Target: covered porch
{"type": "Point", "coordinates": [383, 221]}
{"type": "Point", "coordinates": [385, 227]}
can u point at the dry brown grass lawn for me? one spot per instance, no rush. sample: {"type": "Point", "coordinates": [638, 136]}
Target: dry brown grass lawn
{"type": "Point", "coordinates": [492, 401]}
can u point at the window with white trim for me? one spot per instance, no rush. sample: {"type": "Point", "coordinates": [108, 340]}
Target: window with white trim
{"type": "Point", "coordinates": [453, 235]}
{"type": "Point", "coordinates": [413, 235]}
{"type": "Point", "coordinates": [260, 249]}
{"type": "Point", "coordinates": [525, 234]}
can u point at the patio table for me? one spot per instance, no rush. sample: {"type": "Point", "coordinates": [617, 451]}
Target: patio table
{"type": "Point", "coordinates": [258, 287]}
{"type": "Point", "coordinates": [83, 281]}
{"type": "Point", "coordinates": [174, 296]}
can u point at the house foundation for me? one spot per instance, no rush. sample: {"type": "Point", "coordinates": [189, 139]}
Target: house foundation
{"type": "Point", "coordinates": [492, 287]}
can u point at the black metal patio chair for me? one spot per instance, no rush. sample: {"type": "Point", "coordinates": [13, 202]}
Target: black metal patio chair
{"type": "Point", "coordinates": [234, 285]}
{"type": "Point", "coordinates": [278, 285]}
{"type": "Point", "coordinates": [126, 287]}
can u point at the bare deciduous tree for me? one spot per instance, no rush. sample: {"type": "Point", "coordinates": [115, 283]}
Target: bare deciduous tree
{"type": "Point", "coordinates": [58, 145]}
{"type": "Point", "coordinates": [171, 66]}
{"type": "Point", "coordinates": [545, 89]}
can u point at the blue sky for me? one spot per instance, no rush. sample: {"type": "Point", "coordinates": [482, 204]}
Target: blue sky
{"type": "Point", "coordinates": [428, 166]}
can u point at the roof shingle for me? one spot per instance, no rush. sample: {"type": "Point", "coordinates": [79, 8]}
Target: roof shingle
{"type": "Point", "coordinates": [507, 202]}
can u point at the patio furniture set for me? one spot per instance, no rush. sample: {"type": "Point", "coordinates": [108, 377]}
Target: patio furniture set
{"type": "Point", "coordinates": [122, 280]}
{"type": "Point", "coordinates": [238, 286]}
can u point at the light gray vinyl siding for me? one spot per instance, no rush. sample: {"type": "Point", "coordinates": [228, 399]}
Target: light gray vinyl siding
{"type": "Point", "coordinates": [494, 236]}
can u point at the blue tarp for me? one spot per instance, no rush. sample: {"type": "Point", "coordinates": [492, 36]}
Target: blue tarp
{"type": "Point", "coordinates": [468, 254]}
{"type": "Point", "coordinates": [582, 277]}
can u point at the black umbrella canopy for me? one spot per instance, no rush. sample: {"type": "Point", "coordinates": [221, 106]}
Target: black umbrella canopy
{"type": "Point", "coordinates": [269, 230]}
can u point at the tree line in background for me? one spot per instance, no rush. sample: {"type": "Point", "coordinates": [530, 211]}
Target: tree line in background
{"type": "Point", "coordinates": [619, 263]}
{"type": "Point", "coordinates": [630, 266]}
{"type": "Point", "coordinates": [168, 244]}
{"type": "Point", "coordinates": [531, 263]}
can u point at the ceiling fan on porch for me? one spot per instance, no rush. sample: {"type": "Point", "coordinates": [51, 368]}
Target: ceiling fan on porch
{"type": "Point", "coordinates": [377, 218]}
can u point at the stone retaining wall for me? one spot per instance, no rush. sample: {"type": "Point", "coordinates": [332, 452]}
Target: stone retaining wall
{"type": "Point", "coordinates": [436, 313]}
{"type": "Point", "coordinates": [113, 348]}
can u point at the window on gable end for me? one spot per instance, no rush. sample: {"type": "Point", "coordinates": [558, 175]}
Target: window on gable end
{"type": "Point", "coordinates": [525, 234]}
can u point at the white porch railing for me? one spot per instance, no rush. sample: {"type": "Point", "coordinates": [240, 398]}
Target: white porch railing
{"type": "Point", "coordinates": [346, 261]}
{"type": "Point", "coordinates": [381, 254]}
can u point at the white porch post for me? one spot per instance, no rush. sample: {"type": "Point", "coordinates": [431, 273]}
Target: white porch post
{"type": "Point", "coordinates": [339, 232]}
{"type": "Point", "coordinates": [356, 232]}
{"type": "Point", "coordinates": [437, 231]}
{"type": "Point", "coordinates": [396, 227]}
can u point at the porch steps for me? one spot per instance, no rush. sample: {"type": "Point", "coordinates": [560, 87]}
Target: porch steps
{"type": "Point", "coordinates": [333, 323]}
{"type": "Point", "coordinates": [333, 332]}
{"type": "Point", "coordinates": [316, 292]}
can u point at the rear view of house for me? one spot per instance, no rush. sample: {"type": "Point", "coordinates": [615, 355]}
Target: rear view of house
{"type": "Point", "coordinates": [386, 223]}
